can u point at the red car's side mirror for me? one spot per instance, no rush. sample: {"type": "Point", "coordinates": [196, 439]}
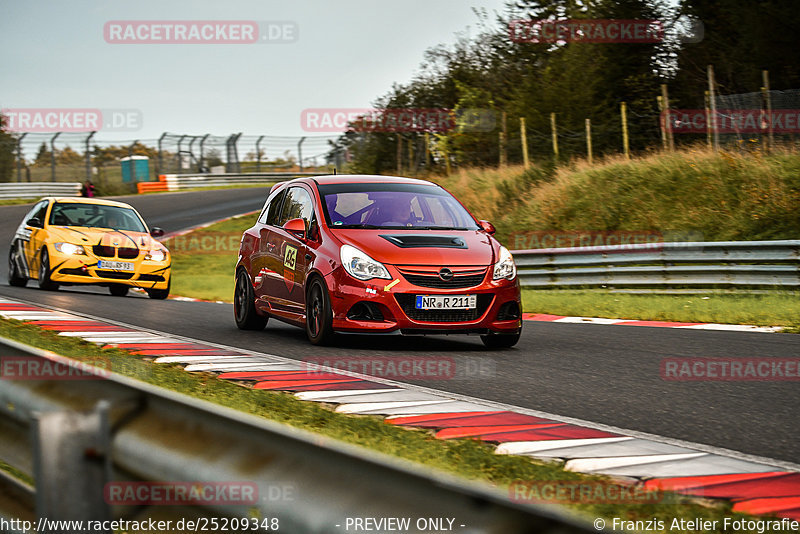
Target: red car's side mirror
{"type": "Point", "coordinates": [156, 231]}
{"type": "Point", "coordinates": [296, 227]}
{"type": "Point", "coordinates": [487, 227]}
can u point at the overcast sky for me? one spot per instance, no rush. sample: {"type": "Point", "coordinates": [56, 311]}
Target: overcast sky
{"type": "Point", "coordinates": [345, 54]}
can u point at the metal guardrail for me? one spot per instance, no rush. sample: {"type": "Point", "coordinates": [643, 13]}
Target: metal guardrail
{"type": "Point", "coordinates": [77, 436]}
{"type": "Point", "coordinates": [736, 264]}
{"type": "Point", "coordinates": [39, 189]}
{"type": "Point", "coordinates": [176, 182]}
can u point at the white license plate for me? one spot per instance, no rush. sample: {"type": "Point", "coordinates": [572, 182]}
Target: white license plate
{"type": "Point", "coordinates": [115, 265]}
{"type": "Point", "coordinates": [447, 302]}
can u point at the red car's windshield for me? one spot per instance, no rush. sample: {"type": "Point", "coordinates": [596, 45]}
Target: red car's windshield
{"type": "Point", "coordinates": [384, 205]}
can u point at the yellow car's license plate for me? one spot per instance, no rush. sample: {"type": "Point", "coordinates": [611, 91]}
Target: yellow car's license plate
{"type": "Point", "coordinates": [115, 265]}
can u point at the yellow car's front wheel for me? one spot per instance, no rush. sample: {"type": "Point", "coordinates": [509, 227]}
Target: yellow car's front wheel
{"type": "Point", "coordinates": [44, 273]}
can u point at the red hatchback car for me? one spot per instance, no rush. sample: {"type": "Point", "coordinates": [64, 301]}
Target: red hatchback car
{"type": "Point", "coordinates": [380, 254]}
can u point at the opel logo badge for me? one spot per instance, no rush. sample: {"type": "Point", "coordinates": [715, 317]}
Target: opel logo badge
{"type": "Point", "coordinates": [445, 274]}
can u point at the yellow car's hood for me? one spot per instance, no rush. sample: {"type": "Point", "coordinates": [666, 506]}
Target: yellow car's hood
{"type": "Point", "coordinates": [103, 236]}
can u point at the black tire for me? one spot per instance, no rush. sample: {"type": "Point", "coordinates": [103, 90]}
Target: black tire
{"type": "Point", "coordinates": [501, 341]}
{"type": "Point", "coordinates": [14, 277]}
{"type": "Point", "coordinates": [44, 273]}
{"type": "Point", "coordinates": [118, 290]}
{"type": "Point", "coordinates": [244, 305]}
{"type": "Point", "coordinates": [319, 317]}
{"type": "Point", "coordinates": [159, 294]}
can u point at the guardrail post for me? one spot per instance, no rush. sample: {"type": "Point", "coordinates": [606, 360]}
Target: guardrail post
{"type": "Point", "coordinates": [72, 464]}
{"type": "Point", "coordinates": [53, 156]}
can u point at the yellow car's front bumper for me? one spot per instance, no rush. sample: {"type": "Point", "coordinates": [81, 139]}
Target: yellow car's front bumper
{"type": "Point", "coordinates": [84, 269]}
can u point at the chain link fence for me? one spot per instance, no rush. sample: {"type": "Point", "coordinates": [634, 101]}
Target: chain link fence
{"type": "Point", "coordinates": [71, 157]}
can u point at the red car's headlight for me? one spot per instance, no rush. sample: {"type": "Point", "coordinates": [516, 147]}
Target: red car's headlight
{"type": "Point", "coordinates": [360, 266]}
{"type": "Point", "coordinates": [505, 267]}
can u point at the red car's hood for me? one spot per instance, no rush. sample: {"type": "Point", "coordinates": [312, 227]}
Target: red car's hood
{"type": "Point", "coordinates": [421, 247]}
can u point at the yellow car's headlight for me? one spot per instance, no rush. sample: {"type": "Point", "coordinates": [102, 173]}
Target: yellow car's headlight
{"type": "Point", "coordinates": [156, 255]}
{"type": "Point", "coordinates": [69, 248]}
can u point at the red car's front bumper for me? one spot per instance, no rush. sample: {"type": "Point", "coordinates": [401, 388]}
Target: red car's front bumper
{"type": "Point", "coordinates": [383, 306]}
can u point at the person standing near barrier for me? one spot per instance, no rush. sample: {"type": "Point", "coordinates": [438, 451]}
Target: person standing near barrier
{"type": "Point", "coordinates": [88, 189]}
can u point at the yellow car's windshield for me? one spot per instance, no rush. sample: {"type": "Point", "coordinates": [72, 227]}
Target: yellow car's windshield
{"type": "Point", "coordinates": [96, 215]}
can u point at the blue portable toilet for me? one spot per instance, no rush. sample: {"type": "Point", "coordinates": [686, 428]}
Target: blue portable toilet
{"type": "Point", "coordinates": [135, 168]}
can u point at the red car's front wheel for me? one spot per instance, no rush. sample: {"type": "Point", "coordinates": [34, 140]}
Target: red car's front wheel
{"type": "Point", "coordinates": [319, 317]}
{"type": "Point", "coordinates": [244, 305]}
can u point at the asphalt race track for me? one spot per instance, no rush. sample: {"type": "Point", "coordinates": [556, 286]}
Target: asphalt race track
{"type": "Point", "coordinates": [604, 374]}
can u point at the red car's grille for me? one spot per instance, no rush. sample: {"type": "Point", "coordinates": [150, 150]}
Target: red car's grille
{"type": "Point", "coordinates": [407, 301]}
{"type": "Point", "coordinates": [461, 278]}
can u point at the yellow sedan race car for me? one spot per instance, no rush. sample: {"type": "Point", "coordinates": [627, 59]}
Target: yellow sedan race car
{"type": "Point", "coordinates": [65, 241]}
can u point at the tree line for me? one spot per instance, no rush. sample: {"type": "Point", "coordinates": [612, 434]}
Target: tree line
{"type": "Point", "coordinates": [516, 79]}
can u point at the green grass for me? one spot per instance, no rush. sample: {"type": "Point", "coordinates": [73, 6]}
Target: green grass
{"type": "Point", "coordinates": [203, 261]}
{"type": "Point", "coordinates": [16, 201]}
{"type": "Point", "coordinates": [768, 309]}
{"type": "Point", "coordinates": [470, 459]}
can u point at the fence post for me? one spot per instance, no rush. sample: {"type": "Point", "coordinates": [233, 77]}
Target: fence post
{"type": "Point", "coordinates": [19, 156]}
{"type": "Point", "coordinates": [258, 153]}
{"type": "Point", "coordinates": [662, 122]}
{"type": "Point", "coordinates": [411, 156]}
{"type": "Point", "coordinates": [523, 135]}
{"type": "Point", "coordinates": [53, 156]}
{"type": "Point", "coordinates": [300, 153]}
{"type": "Point", "coordinates": [232, 153]}
{"type": "Point", "coordinates": [554, 132]}
{"type": "Point", "coordinates": [713, 103]}
{"type": "Point", "coordinates": [708, 118]}
{"type": "Point", "coordinates": [503, 139]}
{"type": "Point", "coordinates": [427, 150]}
{"type": "Point", "coordinates": [88, 156]}
{"type": "Point", "coordinates": [202, 153]}
{"type": "Point", "coordinates": [665, 104]}
{"type": "Point", "coordinates": [178, 153]}
{"type": "Point", "coordinates": [768, 102]}
{"type": "Point", "coordinates": [399, 153]}
{"type": "Point", "coordinates": [624, 114]}
{"type": "Point", "coordinates": [161, 153]}
{"type": "Point", "coordinates": [191, 151]}
{"type": "Point", "coordinates": [589, 140]}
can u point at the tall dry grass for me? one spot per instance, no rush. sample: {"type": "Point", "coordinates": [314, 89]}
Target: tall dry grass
{"type": "Point", "coordinates": [720, 196]}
